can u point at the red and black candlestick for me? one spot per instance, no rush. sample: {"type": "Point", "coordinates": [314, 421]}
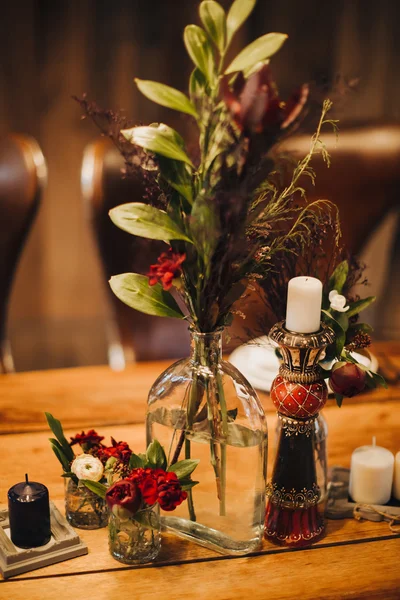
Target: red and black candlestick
{"type": "Point", "coordinates": [298, 392]}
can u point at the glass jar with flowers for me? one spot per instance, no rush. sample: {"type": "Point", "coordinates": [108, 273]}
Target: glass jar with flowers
{"type": "Point", "coordinates": [148, 484]}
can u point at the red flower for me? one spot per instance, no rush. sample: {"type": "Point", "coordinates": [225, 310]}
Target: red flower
{"type": "Point", "coordinates": [168, 268]}
{"type": "Point", "coordinates": [156, 485]}
{"type": "Point", "coordinates": [89, 439]}
{"type": "Point", "coordinates": [347, 379]}
{"type": "Point", "coordinates": [124, 493]}
{"type": "Point", "coordinates": [119, 450]}
{"type": "Point", "coordinates": [255, 104]}
{"type": "Point", "coordinates": [170, 493]}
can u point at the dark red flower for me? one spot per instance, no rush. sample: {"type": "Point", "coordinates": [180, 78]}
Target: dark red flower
{"type": "Point", "coordinates": [170, 493]}
{"type": "Point", "coordinates": [168, 267]}
{"type": "Point", "coordinates": [156, 485]}
{"type": "Point", "coordinates": [347, 379]}
{"type": "Point", "coordinates": [119, 450]}
{"type": "Point", "coordinates": [124, 493]}
{"type": "Point", "coordinates": [89, 439]}
{"type": "Point", "coordinates": [255, 104]}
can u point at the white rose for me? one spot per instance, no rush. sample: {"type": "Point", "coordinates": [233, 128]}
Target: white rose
{"type": "Point", "coordinates": [338, 302]}
{"type": "Point", "coordinates": [86, 466]}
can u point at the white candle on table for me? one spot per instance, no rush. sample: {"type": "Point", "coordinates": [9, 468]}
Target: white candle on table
{"type": "Point", "coordinates": [371, 474]}
{"type": "Point", "coordinates": [303, 313]}
{"type": "Point", "coordinates": [396, 480]}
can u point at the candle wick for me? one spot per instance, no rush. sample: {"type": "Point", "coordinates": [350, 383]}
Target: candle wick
{"type": "Point", "coordinates": [26, 478]}
{"type": "Point", "coordinates": [374, 440]}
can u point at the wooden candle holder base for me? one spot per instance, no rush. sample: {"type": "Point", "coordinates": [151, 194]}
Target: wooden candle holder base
{"type": "Point", "coordinates": [64, 544]}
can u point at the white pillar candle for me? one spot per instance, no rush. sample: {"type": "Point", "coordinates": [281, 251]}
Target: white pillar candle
{"type": "Point", "coordinates": [303, 313]}
{"type": "Point", "coordinates": [371, 474]}
{"type": "Point", "coordinates": [396, 480]}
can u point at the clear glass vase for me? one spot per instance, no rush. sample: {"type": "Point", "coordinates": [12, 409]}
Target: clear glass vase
{"type": "Point", "coordinates": [203, 408]}
{"type": "Point", "coordinates": [132, 542]}
{"type": "Point", "coordinates": [321, 452]}
{"type": "Point", "coordinates": [83, 508]}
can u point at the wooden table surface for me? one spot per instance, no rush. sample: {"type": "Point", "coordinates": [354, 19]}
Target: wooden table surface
{"type": "Point", "coordinates": [354, 559]}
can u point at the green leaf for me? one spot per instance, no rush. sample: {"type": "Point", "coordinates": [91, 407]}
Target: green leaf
{"type": "Point", "coordinates": [357, 307]}
{"type": "Point", "coordinates": [183, 468]}
{"type": "Point", "coordinates": [65, 463]}
{"type": "Point", "coordinates": [213, 18]}
{"type": "Point", "coordinates": [204, 228]}
{"type": "Point", "coordinates": [339, 332]}
{"type": "Point", "coordinates": [187, 484]}
{"type": "Point", "coordinates": [146, 221]}
{"type": "Point", "coordinates": [199, 50]}
{"type": "Point", "coordinates": [197, 84]}
{"type": "Point", "coordinates": [339, 277]}
{"type": "Point", "coordinates": [157, 140]}
{"type": "Point", "coordinates": [364, 327]}
{"type": "Point", "coordinates": [378, 379]}
{"type": "Point", "coordinates": [94, 486]}
{"type": "Point", "coordinates": [56, 428]}
{"type": "Point", "coordinates": [136, 462]}
{"type": "Point", "coordinates": [156, 456]}
{"type": "Point", "coordinates": [134, 290]}
{"type": "Point", "coordinates": [262, 48]}
{"type": "Point", "coordinates": [237, 15]}
{"type": "Point", "coordinates": [342, 319]}
{"type": "Point", "coordinates": [166, 96]}
{"type": "Point", "coordinates": [177, 176]}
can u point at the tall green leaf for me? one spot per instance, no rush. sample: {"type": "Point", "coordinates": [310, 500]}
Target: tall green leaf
{"type": "Point", "coordinates": [177, 175]}
{"type": "Point", "coordinates": [339, 276]}
{"type": "Point", "coordinates": [200, 50]}
{"type": "Point", "coordinates": [56, 428]}
{"type": "Point", "coordinates": [204, 228]}
{"type": "Point", "coordinates": [146, 221]}
{"type": "Point", "coordinates": [213, 18]}
{"type": "Point", "coordinates": [357, 307]}
{"type": "Point", "coordinates": [134, 290]}
{"type": "Point", "coordinates": [166, 96]}
{"type": "Point", "coordinates": [262, 48]}
{"type": "Point", "coordinates": [65, 463]}
{"type": "Point", "coordinates": [157, 140]}
{"type": "Point", "coordinates": [237, 15]}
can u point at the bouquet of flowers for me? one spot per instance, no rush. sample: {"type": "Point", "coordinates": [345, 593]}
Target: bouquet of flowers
{"type": "Point", "coordinates": [129, 483]}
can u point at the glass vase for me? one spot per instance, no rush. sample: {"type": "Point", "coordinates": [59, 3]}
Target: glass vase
{"type": "Point", "coordinates": [203, 408]}
{"type": "Point", "coordinates": [133, 542]}
{"type": "Point", "coordinates": [320, 432]}
{"type": "Point", "coordinates": [83, 508]}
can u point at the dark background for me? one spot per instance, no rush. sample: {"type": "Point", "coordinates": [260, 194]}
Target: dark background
{"type": "Point", "coordinates": [50, 50]}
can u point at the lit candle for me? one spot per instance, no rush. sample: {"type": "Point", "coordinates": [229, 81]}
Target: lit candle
{"type": "Point", "coordinates": [396, 480]}
{"type": "Point", "coordinates": [29, 514]}
{"type": "Point", "coordinates": [371, 474]}
{"type": "Point", "coordinates": [303, 313]}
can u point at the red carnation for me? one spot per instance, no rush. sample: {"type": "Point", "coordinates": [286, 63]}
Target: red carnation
{"type": "Point", "coordinates": [118, 450]}
{"type": "Point", "coordinates": [347, 379]}
{"type": "Point", "coordinates": [156, 485]}
{"type": "Point", "coordinates": [89, 439]}
{"type": "Point", "coordinates": [170, 493]}
{"type": "Point", "coordinates": [124, 494]}
{"type": "Point", "coordinates": [167, 269]}
{"type": "Point", "coordinates": [255, 104]}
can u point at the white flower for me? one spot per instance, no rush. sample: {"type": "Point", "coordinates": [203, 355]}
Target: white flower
{"type": "Point", "coordinates": [86, 466]}
{"type": "Point", "coordinates": [338, 302]}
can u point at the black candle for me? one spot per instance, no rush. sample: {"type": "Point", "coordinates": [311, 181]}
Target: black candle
{"type": "Point", "coordinates": [29, 514]}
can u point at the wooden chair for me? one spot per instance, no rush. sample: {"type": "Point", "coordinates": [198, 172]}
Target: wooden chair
{"type": "Point", "coordinates": [22, 180]}
{"type": "Point", "coordinates": [131, 335]}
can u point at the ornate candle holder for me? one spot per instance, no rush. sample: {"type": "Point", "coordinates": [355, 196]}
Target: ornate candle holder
{"type": "Point", "coordinates": [298, 392]}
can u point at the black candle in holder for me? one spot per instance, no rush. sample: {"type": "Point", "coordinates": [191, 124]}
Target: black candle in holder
{"type": "Point", "coordinates": [29, 514]}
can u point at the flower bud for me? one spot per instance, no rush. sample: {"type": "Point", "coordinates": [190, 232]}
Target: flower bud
{"type": "Point", "coordinates": [125, 495]}
{"type": "Point", "coordinates": [347, 379]}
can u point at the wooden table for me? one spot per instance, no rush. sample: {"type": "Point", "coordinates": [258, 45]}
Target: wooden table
{"type": "Point", "coordinates": [354, 560]}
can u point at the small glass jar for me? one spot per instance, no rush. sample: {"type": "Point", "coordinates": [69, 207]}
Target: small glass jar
{"type": "Point", "coordinates": [83, 508]}
{"type": "Point", "coordinates": [133, 542]}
